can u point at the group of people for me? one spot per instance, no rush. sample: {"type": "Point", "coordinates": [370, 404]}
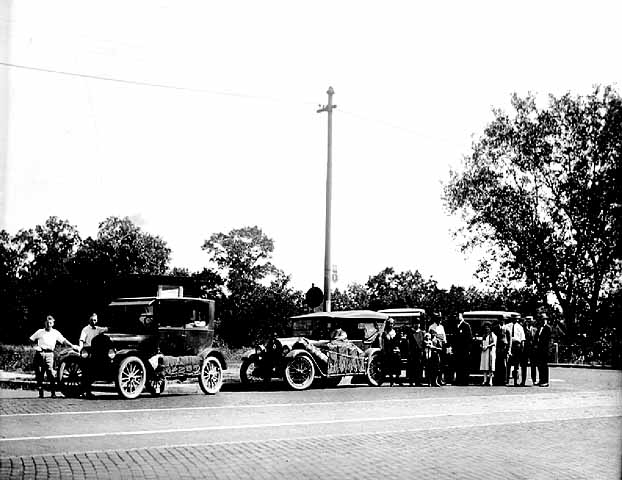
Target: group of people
{"type": "Point", "coordinates": [46, 339]}
{"type": "Point", "coordinates": [508, 348]}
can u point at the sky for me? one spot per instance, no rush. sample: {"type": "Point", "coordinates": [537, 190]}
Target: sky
{"type": "Point", "coordinates": [198, 117]}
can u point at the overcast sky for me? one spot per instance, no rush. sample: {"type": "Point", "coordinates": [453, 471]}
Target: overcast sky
{"type": "Point", "coordinates": [238, 141]}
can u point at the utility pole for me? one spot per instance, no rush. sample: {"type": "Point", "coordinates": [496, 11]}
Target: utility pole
{"type": "Point", "coordinates": [329, 187]}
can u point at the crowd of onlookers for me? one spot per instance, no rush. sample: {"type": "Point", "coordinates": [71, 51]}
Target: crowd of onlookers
{"type": "Point", "coordinates": [508, 350]}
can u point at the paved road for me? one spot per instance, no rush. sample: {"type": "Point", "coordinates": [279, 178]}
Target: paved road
{"type": "Point", "coordinates": [570, 430]}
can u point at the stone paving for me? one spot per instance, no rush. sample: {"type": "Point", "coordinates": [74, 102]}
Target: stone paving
{"type": "Point", "coordinates": [578, 449]}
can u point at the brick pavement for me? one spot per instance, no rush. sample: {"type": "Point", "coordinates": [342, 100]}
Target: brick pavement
{"type": "Point", "coordinates": [576, 449]}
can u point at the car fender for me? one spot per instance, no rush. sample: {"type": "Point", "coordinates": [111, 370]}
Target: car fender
{"type": "Point", "coordinates": [213, 352]}
{"type": "Point", "coordinates": [298, 352]}
{"type": "Point", "coordinates": [69, 352]}
{"type": "Point", "coordinates": [371, 351]}
{"type": "Point", "coordinates": [248, 354]}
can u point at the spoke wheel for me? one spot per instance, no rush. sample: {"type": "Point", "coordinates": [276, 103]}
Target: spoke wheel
{"type": "Point", "coordinates": [131, 377]}
{"type": "Point", "coordinates": [375, 374]}
{"type": "Point", "coordinates": [250, 372]}
{"type": "Point", "coordinates": [299, 372]}
{"type": "Point", "coordinates": [70, 377]}
{"type": "Point", "coordinates": [210, 377]}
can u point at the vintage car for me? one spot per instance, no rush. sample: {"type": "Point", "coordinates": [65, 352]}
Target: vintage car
{"type": "Point", "coordinates": [149, 340]}
{"type": "Point", "coordinates": [309, 353]}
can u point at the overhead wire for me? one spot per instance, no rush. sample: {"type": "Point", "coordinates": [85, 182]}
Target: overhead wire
{"type": "Point", "coordinates": [222, 93]}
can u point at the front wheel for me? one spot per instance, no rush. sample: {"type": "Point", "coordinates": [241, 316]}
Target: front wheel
{"type": "Point", "coordinates": [375, 373]}
{"type": "Point", "coordinates": [71, 377]}
{"type": "Point", "coordinates": [250, 372]}
{"type": "Point", "coordinates": [299, 372]}
{"type": "Point", "coordinates": [131, 377]}
{"type": "Point", "coordinates": [210, 376]}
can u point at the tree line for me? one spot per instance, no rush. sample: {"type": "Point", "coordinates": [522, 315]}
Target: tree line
{"type": "Point", "coordinates": [539, 192]}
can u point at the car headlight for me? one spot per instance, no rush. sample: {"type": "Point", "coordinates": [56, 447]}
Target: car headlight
{"type": "Point", "coordinates": [84, 353]}
{"type": "Point", "coordinates": [111, 353]}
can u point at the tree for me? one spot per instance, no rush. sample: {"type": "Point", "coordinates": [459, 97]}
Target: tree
{"type": "Point", "coordinates": [121, 248]}
{"type": "Point", "coordinates": [541, 190]}
{"type": "Point", "coordinates": [389, 289]}
{"type": "Point", "coordinates": [243, 255]}
{"type": "Point", "coordinates": [355, 297]}
{"type": "Point", "coordinates": [258, 297]}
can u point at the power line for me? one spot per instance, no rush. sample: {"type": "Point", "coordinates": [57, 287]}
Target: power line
{"type": "Point", "coordinates": [141, 83]}
{"type": "Point", "coordinates": [221, 93]}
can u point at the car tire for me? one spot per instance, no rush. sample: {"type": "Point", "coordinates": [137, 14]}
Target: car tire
{"type": "Point", "coordinates": [247, 372]}
{"type": "Point", "coordinates": [210, 376]}
{"type": "Point", "coordinates": [71, 377]}
{"type": "Point", "coordinates": [375, 374]}
{"type": "Point", "coordinates": [131, 377]}
{"type": "Point", "coordinates": [299, 372]}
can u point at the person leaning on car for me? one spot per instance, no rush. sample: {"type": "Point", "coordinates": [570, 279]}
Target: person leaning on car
{"type": "Point", "coordinates": [46, 339]}
{"type": "Point", "coordinates": [86, 338]}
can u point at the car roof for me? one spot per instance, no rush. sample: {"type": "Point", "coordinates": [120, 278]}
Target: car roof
{"type": "Point", "coordinates": [490, 313]}
{"type": "Point", "coordinates": [345, 315]}
{"type": "Point", "coordinates": [150, 300]}
{"type": "Point", "coordinates": [396, 312]}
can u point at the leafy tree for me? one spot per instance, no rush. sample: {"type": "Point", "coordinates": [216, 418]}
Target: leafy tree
{"type": "Point", "coordinates": [243, 255]}
{"type": "Point", "coordinates": [258, 297]}
{"type": "Point", "coordinates": [541, 191]}
{"type": "Point", "coordinates": [354, 297]}
{"type": "Point", "coordinates": [389, 289]}
{"type": "Point", "coordinates": [121, 248]}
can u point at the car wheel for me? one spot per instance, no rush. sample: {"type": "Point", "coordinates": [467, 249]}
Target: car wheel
{"type": "Point", "coordinates": [131, 377]}
{"type": "Point", "coordinates": [299, 372]}
{"type": "Point", "coordinates": [156, 386]}
{"type": "Point", "coordinates": [70, 377]}
{"type": "Point", "coordinates": [375, 374]}
{"type": "Point", "coordinates": [250, 372]}
{"type": "Point", "coordinates": [210, 376]}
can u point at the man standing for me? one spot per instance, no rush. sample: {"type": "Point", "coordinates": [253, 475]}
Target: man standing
{"type": "Point", "coordinates": [542, 341]}
{"type": "Point", "coordinates": [462, 351]}
{"type": "Point", "coordinates": [90, 332]}
{"type": "Point", "coordinates": [389, 344]}
{"type": "Point", "coordinates": [441, 335]}
{"type": "Point", "coordinates": [517, 345]}
{"type": "Point", "coordinates": [415, 353]}
{"type": "Point", "coordinates": [86, 337]}
{"type": "Point", "coordinates": [528, 352]}
{"type": "Point", "coordinates": [46, 339]}
{"type": "Point", "coordinates": [502, 352]}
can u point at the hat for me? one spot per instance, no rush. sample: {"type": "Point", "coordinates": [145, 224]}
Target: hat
{"type": "Point", "coordinates": [432, 330]}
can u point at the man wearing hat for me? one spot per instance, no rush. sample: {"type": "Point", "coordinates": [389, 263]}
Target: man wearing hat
{"type": "Point", "coordinates": [541, 344]}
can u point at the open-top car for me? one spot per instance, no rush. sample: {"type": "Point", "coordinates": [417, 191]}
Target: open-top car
{"type": "Point", "coordinates": [322, 345]}
{"type": "Point", "coordinates": [149, 340]}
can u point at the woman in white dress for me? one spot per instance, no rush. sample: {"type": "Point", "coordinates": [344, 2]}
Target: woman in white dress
{"type": "Point", "coordinates": [487, 358]}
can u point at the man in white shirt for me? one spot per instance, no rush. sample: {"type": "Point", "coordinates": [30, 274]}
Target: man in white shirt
{"type": "Point", "coordinates": [90, 332]}
{"type": "Point", "coordinates": [86, 337]}
{"type": "Point", "coordinates": [46, 339]}
{"type": "Point", "coordinates": [517, 345]}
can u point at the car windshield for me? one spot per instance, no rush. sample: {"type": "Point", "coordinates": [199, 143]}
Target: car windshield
{"type": "Point", "coordinates": [136, 319]}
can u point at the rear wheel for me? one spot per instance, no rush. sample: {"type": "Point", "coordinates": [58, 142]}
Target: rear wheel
{"type": "Point", "coordinates": [299, 372]}
{"type": "Point", "coordinates": [210, 376]}
{"type": "Point", "coordinates": [71, 377]}
{"type": "Point", "coordinates": [131, 377]}
{"type": "Point", "coordinates": [375, 374]}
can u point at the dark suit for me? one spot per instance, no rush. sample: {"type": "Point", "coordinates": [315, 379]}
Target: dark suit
{"type": "Point", "coordinates": [502, 348]}
{"type": "Point", "coordinates": [541, 343]}
{"type": "Point", "coordinates": [462, 351]}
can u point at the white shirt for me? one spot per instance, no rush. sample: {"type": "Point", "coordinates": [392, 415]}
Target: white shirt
{"type": "Point", "coordinates": [47, 339]}
{"type": "Point", "coordinates": [440, 333]}
{"type": "Point", "coordinates": [517, 332]}
{"type": "Point", "coordinates": [89, 333]}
